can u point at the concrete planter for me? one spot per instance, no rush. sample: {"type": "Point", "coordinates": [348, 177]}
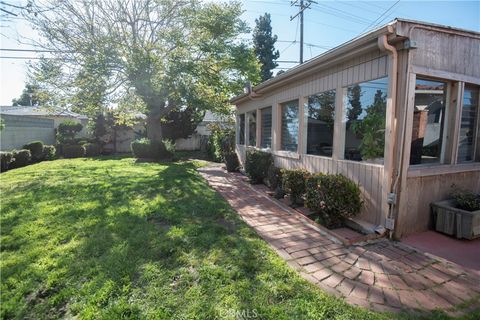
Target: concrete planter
{"type": "Point", "coordinates": [455, 222]}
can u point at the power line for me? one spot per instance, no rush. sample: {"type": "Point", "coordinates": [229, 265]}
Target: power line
{"type": "Point", "coordinates": [302, 7]}
{"type": "Point", "coordinates": [378, 19]}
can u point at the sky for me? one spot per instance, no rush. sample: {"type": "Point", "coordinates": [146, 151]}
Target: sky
{"type": "Point", "coordinates": [326, 24]}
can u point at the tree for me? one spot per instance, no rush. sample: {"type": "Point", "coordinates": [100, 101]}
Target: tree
{"type": "Point", "coordinates": [32, 95]}
{"type": "Point", "coordinates": [171, 55]}
{"type": "Point", "coordinates": [264, 44]}
{"type": "Point", "coordinates": [354, 94]}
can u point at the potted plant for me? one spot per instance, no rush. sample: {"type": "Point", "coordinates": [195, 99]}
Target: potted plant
{"type": "Point", "coordinates": [458, 216]}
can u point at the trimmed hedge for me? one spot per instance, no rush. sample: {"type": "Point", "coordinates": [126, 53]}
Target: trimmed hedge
{"type": "Point", "coordinates": [257, 164]}
{"type": "Point", "coordinates": [293, 183]}
{"type": "Point", "coordinates": [21, 157]}
{"type": "Point", "coordinates": [147, 149]}
{"type": "Point", "coordinates": [49, 152]}
{"type": "Point", "coordinates": [73, 151]}
{"type": "Point", "coordinates": [231, 161]}
{"type": "Point", "coordinates": [6, 158]}
{"type": "Point", "coordinates": [92, 149]}
{"type": "Point", "coordinates": [36, 150]}
{"type": "Point", "coordinates": [334, 197]}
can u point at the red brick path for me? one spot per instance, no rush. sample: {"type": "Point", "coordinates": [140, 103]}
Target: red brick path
{"type": "Point", "coordinates": [382, 275]}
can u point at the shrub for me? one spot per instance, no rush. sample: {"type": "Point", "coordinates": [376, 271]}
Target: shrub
{"type": "Point", "coordinates": [334, 197]}
{"type": "Point", "coordinates": [169, 147]}
{"type": "Point", "coordinates": [67, 130]}
{"type": "Point", "coordinates": [92, 149]}
{"type": "Point", "coordinates": [6, 158]}
{"type": "Point", "coordinates": [467, 200]}
{"type": "Point", "coordinates": [36, 150]}
{"type": "Point", "coordinates": [257, 164]}
{"type": "Point", "coordinates": [274, 177]}
{"type": "Point", "coordinates": [73, 151]}
{"type": "Point", "coordinates": [21, 157]}
{"type": "Point", "coordinates": [146, 149]}
{"type": "Point", "coordinates": [293, 183]}
{"type": "Point", "coordinates": [49, 152]}
{"type": "Point", "coordinates": [231, 161]}
{"type": "Point", "coordinates": [220, 142]}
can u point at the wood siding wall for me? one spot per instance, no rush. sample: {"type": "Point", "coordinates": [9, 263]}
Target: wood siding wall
{"type": "Point", "coordinates": [368, 176]}
{"type": "Point", "coordinates": [449, 55]}
{"type": "Point", "coordinates": [366, 67]}
{"type": "Point", "coordinates": [421, 191]}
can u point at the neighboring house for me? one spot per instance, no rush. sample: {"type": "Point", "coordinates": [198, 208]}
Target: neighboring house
{"type": "Point", "coordinates": [198, 140]}
{"type": "Point", "coordinates": [26, 124]}
{"type": "Point", "coordinates": [423, 79]}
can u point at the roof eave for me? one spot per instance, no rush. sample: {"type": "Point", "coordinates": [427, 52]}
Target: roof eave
{"type": "Point", "coordinates": [319, 61]}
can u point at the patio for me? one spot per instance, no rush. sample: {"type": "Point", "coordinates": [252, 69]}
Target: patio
{"type": "Point", "coordinates": [380, 275]}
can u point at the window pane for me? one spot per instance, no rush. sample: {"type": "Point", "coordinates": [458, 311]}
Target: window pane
{"type": "Point", "coordinates": [290, 126]}
{"type": "Point", "coordinates": [266, 141]}
{"type": "Point", "coordinates": [241, 129]}
{"type": "Point", "coordinates": [252, 128]}
{"type": "Point", "coordinates": [321, 119]}
{"type": "Point", "coordinates": [365, 120]}
{"type": "Point", "coordinates": [428, 121]}
{"type": "Point", "coordinates": [467, 139]}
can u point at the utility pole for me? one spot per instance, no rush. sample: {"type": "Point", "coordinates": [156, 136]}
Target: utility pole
{"type": "Point", "coordinates": [302, 7]}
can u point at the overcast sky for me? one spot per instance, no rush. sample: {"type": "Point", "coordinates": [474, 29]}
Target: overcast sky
{"type": "Point", "coordinates": [327, 24]}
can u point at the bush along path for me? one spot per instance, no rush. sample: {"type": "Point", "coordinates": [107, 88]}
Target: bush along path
{"type": "Point", "coordinates": [382, 275]}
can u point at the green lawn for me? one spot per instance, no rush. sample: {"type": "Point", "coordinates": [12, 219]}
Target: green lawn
{"type": "Point", "coordinates": [111, 238]}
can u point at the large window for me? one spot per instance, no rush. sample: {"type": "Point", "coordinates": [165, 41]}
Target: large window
{"type": "Point", "coordinates": [289, 138]}
{"type": "Point", "coordinates": [468, 125]}
{"type": "Point", "coordinates": [266, 129]}
{"type": "Point", "coordinates": [241, 129]}
{"type": "Point", "coordinates": [365, 120]}
{"type": "Point", "coordinates": [252, 128]}
{"type": "Point", "coordinates": [428, 121]}
{"type": "Point", "coordinates": [321, 119]}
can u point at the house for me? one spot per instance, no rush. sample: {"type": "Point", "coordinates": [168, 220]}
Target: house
{"type": "Point", "coordinates": [396, 110]}
{"type": "Point", "coordinates": [26, 124]}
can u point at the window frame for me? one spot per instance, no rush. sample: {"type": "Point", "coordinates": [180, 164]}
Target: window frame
{"type": "Point", "coordinates": [239, 131]}
{"type": "Point", "coordinates": [279, 148]}
{"type": "Point", "coordinates": [306, 117]}
{"type": "Point", "coordinates": [260, 123]}
{"type": "Point", "coordinates": [454, 102]}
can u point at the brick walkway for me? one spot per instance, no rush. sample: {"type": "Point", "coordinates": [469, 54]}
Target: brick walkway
{"type": "Point", "coordinates": [382, 276]}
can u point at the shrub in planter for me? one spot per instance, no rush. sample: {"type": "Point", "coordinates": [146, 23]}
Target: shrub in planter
{"type": "Point", "coordinates": [231, 161]}
{"type": "Point", "coordinates": [92, 149]}
{"type": "Point", "coordinates": [293, 183]}
{"type": "Point", "coordinates": [73, 151]}
{"type": "Point", "coordinates": [6, 158]}
{"type": "Point", "coordinates": [334, 197]}
{"type": "Point", "coordinates": [36, 150]}
{"type": "Point", "coordinates": [49, 152]}
{"type": "Point", "coordinates": [466, 200]}
{"type": "Point", "coordinates": [257, 164]}
{"type": "Point", "coordinates": [21, 157]}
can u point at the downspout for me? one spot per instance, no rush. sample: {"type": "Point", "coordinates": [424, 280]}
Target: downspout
{"type": "Point", "coordinates": [385, 46]}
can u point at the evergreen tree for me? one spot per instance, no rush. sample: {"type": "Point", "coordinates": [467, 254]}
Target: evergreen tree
{"type": "Point", "coordinates": [264, 43]}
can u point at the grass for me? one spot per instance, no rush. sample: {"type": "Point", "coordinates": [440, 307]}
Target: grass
{"type": "Point", "coordinates": [110, 238]}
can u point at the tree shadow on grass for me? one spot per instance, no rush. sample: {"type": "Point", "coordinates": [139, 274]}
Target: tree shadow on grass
{"type": "Point", "coordinates": [111, 239]}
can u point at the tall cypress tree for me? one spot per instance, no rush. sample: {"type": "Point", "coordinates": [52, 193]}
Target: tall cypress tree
{"type": "Point", "coordinates": [264, 43]}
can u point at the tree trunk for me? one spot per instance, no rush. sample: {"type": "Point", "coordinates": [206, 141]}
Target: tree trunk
{"type": "Point", "coordinates": [154, 128]}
